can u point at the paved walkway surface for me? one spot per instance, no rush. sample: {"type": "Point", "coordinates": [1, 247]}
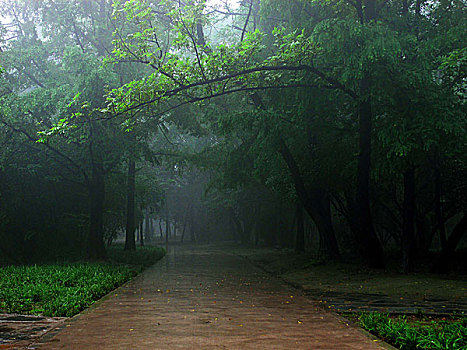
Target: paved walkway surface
{"type": "Point", "coordinates": [360, 302]}
{"type": "Point", "coordinates": [200, 298]}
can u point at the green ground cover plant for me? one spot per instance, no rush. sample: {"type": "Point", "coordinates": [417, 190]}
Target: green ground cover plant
{"type": "Point", "coordinates": [417, 334]}
{"type": "Point", "coordinates": [67, 289]}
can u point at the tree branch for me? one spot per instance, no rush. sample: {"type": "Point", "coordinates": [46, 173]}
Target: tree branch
{"type": "Point", "coordinates": [333, 84]}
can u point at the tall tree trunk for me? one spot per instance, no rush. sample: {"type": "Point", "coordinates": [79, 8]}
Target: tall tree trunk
{"type": "Point", "coordinates": [192, 228]}
{"type": "Point", "coordinates": [316, 203]}
{"type": "Point", "coordinates": [408, 227]}
{"type": "Point", "coordinates": [443, 264]}
{"type": "Point", "coordinates": [141, 234]}
{"type": "Point", "coordinates": [147, 219]}
{"type": "Point", "coordinates": [233, 228]}
{"type": "Point", "coordinates": [183, 231]}
{"type": "Point", "coordinates": [421, 233]}
{"type": "Point", "coordinates": [370, 246]}
{"type": "Point", "coordinates": [167, 229]}
{"type": "Point", "coordinates": [300, 238]}
{"type": "Point", "coordinates": [130, 208]}
{"type": "Point", "coordinates": [96, 246]}
{"type": "Point", "coordinates": [151, 227]}
{"type": "Point", "coordinates": [438, 206]}
{"type": "Point", "coordinates": [160, 228]}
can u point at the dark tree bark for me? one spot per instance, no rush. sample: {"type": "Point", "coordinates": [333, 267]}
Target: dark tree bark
{"type": "Point", "coordinates": [234, 229]}
{"type": "Point", "coordinates": [96, 246]}
{"type": "Point", "coordinates": [192, 228]}
{"type": "Point", "coordinates": [147, 229]}
{"type": "Point", "coordinates": [408, 226]}
{"type": "Point", "coordinates": [160, 228]}
{"type": "Point", "coordinates": [316, 203]}
{"type": "Point", "coordinates": [167, 229]}
{"type": "Point", "coordinates": [370, 246]}
{"type": "Point", "coordinates": [183, 231]}
{"type": "Point", "coordinates": [300, 238]}
{"type": "Point", "coordinates": [141, 234]}
{"type": "Point", "coordinates": [421, 233]}
{"type": "Point", "coordinates": [130, 211]}
{"type": "Point", "coordinates": [438, 207]}
{"type": "Point", "coordinates": [240, 230]}
{"type": "Point", "coordinates": [443, 264]}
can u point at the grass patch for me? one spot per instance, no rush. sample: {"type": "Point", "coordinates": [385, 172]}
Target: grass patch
{"type": "Point", "coordinates": [418, 334]}
{"type": "Point", "coordinates": [67, 289]}
{"type": "Point", "coordinates": [58, 290]}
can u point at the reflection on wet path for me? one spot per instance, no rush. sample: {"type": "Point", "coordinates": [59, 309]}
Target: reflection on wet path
{"type": "Point", "coordinates": [205, 298]}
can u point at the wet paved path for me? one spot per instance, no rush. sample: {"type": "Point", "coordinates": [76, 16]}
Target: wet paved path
{"type": "Point", "coordinates": [200, 298]}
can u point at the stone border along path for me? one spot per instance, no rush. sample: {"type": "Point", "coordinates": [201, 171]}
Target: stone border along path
{"type": "Point", "coordinates": [18, 331]}
{"type": "Point", "coordinates": [344, 302]}
{"type": "Point", "coordinates": [203, 298]}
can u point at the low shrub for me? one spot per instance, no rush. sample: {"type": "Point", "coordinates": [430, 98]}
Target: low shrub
{"type": "Point", "coordinates": [68, 288]}
{"type": "Point", "coordinates": [58, 290]}
{"type": "Point", "coordinates": [142, 256]}
{"type": "Point", "coordinates": [417, 335]}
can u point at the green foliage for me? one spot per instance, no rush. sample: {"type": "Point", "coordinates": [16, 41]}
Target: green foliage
{"type": "Point", "coordinates": [67, 289]}
{"type": "Point", "coordinates": [446, 335]}
{"type": "Point", "coordinates": [57, 290]}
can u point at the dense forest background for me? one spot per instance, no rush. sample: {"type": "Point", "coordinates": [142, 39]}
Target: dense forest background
{"type": "Point", "coordinates": [335, 127]}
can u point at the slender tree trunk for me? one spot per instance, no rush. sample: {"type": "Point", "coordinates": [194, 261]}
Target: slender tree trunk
{"type": "Point", "coordinates": [370, 246]}
{"type": "Point", "coordinates": [443, 264]}
{"type": "Point", "coordinates": [408, 229]}
{"type": "Point", "coordinates": [160, 228]}
{"type": "Point", "coordinates": [438, 206]}
{"type": "Point", "coordinates": [141, 234]}
{"type": "Point", "coordinates": [183, 231]}
{"type": "Point", "coordinates": [147, 219]}
{"type": "Point", "coordinates": [300, 239]}
{"type": "Point", "coordinates": [241, 230]}
{"type": "Point", "coordinates": [96, 246]}
{"type": "Point", "coordinates": [167, 229]}
{"type": "Point", "coordinates": [233, 227]}
{"type": "Point", "coordinates": [316, 203]}
{"type": "Point", "coordinates": [421, 233]}
{"type": "Point", "coordinates": [192, 228]}
{"type": "Point", "coordinates": [130, 211]}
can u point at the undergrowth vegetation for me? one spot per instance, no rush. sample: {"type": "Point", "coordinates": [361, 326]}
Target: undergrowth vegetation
{"type": "Point", "coordinates": [67, 289]}
{"type": "Point", "coordinates": [416, 335]}
{"type": "Point", "coordinates": [142, 256]}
